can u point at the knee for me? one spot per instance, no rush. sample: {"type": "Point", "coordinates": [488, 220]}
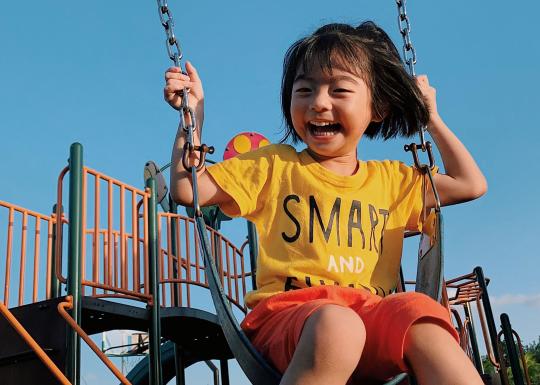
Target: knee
{"type": "Point", "coordinates": [339, 332]}
{"type": "Point", "coordinates": [427, 336]}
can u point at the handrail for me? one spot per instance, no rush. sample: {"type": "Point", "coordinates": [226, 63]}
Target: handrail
{"type": "Point", "coordinates": [186, 268]}
{"type": "Point", "coordinates": [33, 345]}
{"type": "Point", "coordinates": [521, 353]}
{"type": "Point", "coordinates": [114, 240]}
{"type": "Point", "coordinates": [68, 304]}
{"type": "Point", "coordinates": [522, 357]}
{"type": "Point", "coordinates": [487, 340]}
{"type": "Point", "coordinates": [26, 229]}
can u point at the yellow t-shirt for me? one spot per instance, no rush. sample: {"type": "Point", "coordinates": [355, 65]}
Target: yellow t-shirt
{"type": "Point", "coordinates": [319, 228]}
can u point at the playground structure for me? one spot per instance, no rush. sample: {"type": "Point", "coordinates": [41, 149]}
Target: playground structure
{"type": "Point", "coordinates": [123, 264]}
{"type": "Point", "coordinates": [115, 256]}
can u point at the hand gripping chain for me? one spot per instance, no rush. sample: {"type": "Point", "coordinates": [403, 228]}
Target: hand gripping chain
{"type": "Point", "coordinates": [187, 116]}
{"type": "Point", "coordinates": [409, 56]}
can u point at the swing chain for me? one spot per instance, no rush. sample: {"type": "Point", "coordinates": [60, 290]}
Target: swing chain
{"type": "Point", "coordinates": [409, 56]}
{"type": "Point", "coordinates": [175, 54]}
{"type": "Point", "coordinates": [172, 43]}
{"type": "Point", "coordinates": [409, 53]}
{"type": "Point", "coordinates": [187, 115]}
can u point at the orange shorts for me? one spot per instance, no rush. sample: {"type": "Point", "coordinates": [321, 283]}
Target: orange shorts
{"type": "Point", "coordinates": [275, 324]}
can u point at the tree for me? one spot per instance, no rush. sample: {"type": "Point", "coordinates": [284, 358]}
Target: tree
{"type": "Point", "coordinates": [532, 360]}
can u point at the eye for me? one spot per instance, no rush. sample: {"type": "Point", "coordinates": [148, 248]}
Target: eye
{"type": "Point", "coordinates": [302, 89]}
{"type": "Point", "coordinates": [342, 90]}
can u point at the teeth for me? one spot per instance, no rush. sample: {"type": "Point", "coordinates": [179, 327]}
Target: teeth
{"type": "Point", "coordinates": [321, 124]}
{"type": "Point", "coordinates": [323, 128]}
{"type": "Point", "coordinates": [324, 133]}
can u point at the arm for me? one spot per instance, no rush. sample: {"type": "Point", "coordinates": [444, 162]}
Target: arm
{"type": "Point", "coordinates": [181, 183]}
{"type": "Point", "coordinates": [463, 181]}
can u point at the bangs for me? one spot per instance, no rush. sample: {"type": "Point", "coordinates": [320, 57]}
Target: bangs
{"type": "Point", "coordinates": [333, 51]}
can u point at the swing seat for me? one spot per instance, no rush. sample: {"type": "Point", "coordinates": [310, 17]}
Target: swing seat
{"type": "Point", "coordinates": [429, 281]}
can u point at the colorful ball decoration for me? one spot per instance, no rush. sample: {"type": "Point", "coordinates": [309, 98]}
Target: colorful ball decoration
{"type": "Point", "coordinates": [244, 142]}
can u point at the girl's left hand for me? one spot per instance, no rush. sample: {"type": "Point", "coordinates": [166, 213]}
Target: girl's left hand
{"type": "Point", "coordinates": [430, 95]}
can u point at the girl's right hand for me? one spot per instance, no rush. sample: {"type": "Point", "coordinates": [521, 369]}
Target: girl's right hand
{"type": "Point", "coordinates": [176, 81]}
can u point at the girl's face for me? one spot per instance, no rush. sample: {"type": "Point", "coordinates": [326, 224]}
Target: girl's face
{"type": "Point", "coordinates": [330, 111]}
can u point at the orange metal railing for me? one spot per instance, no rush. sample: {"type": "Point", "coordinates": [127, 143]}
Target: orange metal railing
{"type": "Point", "coordinates": [33, 345]}
{"type": "Point", "coordinates": [68, 305]}
{"type": "Point", "coordinates": [115, 258]}
{"type": "Point", "coordinates": [186, 268]}
{"type": "Point", "coordinates": [114, 249]}
{"type": "Point", "coordinates": [28, 246]}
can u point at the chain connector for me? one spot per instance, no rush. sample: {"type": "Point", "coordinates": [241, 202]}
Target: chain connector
{"type": "Point", "coordinates": [413, 147]}
{"type": "Point", "coordinates": [189, 149]}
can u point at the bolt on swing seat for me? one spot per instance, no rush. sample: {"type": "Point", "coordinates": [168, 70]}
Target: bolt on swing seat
{"type": "Point", "coordinates": [429, 280]}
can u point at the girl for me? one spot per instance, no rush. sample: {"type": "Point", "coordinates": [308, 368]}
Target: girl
{"type": "Point", "coordinates": [331, 226]}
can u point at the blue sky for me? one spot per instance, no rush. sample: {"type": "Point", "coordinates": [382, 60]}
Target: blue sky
{"type": "Point", "coordinates": [92, 72]}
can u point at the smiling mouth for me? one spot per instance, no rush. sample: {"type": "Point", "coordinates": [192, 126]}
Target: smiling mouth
{"type": "Point", "coordinates": [320, 129]}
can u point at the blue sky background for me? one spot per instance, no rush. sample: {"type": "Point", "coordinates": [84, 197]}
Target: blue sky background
{"type": "Point", "coordinates": [92, 72]}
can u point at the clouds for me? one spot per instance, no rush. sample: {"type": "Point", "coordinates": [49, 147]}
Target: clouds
{"type": "Point", "coordinates": [531, 300]}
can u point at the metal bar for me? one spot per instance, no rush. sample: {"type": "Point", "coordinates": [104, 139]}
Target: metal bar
{"type": "Point", "coordinates": [511, 350]}
{"type": "Point", "coordinates": [215, 371]}
{"type": "Point", "coordinates": [253, 252]}
{"type": "Point", "coordinates": [179, 365]}
{"type": "Point", "coordinates": [123, 260]}
{"type": "Point", "coordinates": [172, 223]}
{"type": "Point", "coordinates": [34, 345]}
{"type": "Point", "coordinates": [37, 231]}
{"type": "Point", "coordinates": [161, 264]}
{"type": "Point", "coordinates": [243, 275]}
{"type": "Point", "coordinates": [155, 321]}
{"type": "Point", "coordinates": [59, 225]}
{"type": "Point", "coordinates": [134, 241]}
{"type": "Point", "coordinates": [83, 226]}
{"type": "Point", "coordinates": [235, 270]}
{"type": "Point", "coordinates": [105, 258]}
{"type": "Point", "coordinates": [53, 277]}
{"type": "Point", "coordinates": [22, 264]}
{"type": "Point", "coordinates": [179, 264]}
{"type": "Point", "coordinates": [162, 280]}
{"type": "Point", "coordinates": [472, 337]}
{"type": "Point", "coordinates": [50, 256]}
{"type": "Point", "coordinates": [522, 357]}
{"type": "Point", "coordinates": [487, 310]}
{"type": "Point", "coordinates": [110, 239]}
{"type": "Point", "coordinates": [146, 245]}
{"type": "Point", "coordinates": [224, 366]}
{"type": "Point", "coordinates": [74, 258]}
{"type": "Point", "coordinates": [228, 264]}
{"type": "Point", "coordinates": [95, 236]}
{"type": "Point", "coordinates": [68, 304]}
{"type": "Point", "coordinates": [116, 269]}
{"type": "Point", "coordinates": [487, 340]}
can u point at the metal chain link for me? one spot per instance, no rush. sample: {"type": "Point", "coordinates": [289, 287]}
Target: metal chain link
{"type": "Point", "coordinates": [175, 54]}
{"type": "Point", "coordinates": [409, 53]}
{"type": "Point", "coordinates": [187, 115]}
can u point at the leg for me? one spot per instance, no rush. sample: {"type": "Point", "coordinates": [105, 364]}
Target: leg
{"type": "Point", "coordinates": [329, 348]}
{"type": "Point", "coordinates": [436, 357]}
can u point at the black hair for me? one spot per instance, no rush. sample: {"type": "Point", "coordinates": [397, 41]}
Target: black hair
{"type": "Point", "coordinates": [398, 105]}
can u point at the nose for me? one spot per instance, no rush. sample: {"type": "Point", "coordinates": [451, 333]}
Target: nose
{"type": "Point", "coordinates": [320, 101]}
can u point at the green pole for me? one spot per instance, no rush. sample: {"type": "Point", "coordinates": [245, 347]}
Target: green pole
{"type": "Point", "coordinates": [73, 370]}
{"type": "Point", "coordinates": [253, 252]}
{"type": "Point", "coordinates": [513, 355]}
{"type": "Point", "coordinates": [472, 338]}
{"type": "Point", "coordinates": [53, 279]}
{"type": "Point", "coordinates": [177, 273]}
{"type": "Point", "coordinates": [155, 322]}
{"type": "Point", "coordinates": [490, 320]}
